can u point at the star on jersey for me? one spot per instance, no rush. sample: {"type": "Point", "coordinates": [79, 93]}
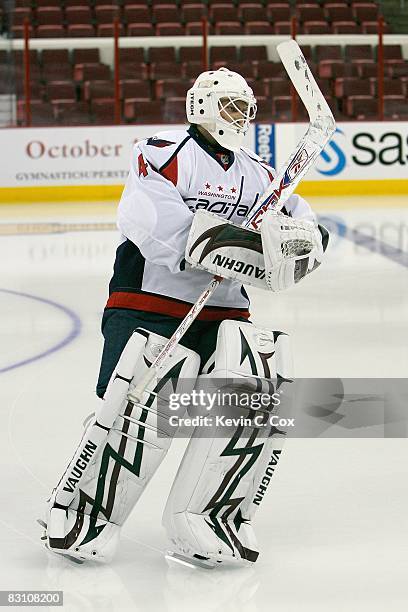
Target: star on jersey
{"type": "Point", "coordinates": [220, 188]}
{"type": "Point", "coordinates": [207, 186]}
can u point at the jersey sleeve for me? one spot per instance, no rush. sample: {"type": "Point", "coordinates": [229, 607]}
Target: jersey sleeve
{"type": "Point", "coordinates": [152, 213]}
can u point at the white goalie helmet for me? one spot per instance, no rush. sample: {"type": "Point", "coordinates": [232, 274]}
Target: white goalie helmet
{"type": "Point", "coordinates": [224, 104]}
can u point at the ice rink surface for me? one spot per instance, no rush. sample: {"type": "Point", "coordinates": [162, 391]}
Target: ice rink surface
{"type": "Point", "coordinates": [333, 528]}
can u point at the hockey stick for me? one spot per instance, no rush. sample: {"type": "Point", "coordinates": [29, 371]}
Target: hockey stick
{"type": "Point", "coordinates": [321, 128]}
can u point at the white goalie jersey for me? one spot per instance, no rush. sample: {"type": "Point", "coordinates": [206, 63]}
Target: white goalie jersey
{"type": "Point", "coordinates": [172, 175]}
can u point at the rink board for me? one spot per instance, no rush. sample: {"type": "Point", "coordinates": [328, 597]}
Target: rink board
{"type": "Point", "coordinates": [91, 163]}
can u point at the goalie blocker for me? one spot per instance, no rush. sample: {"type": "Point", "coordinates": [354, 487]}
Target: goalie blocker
{"type": "Point", "coordinates": [279, 256]}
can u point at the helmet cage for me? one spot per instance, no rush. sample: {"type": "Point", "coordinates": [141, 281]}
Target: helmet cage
{"type": "Point", "coordinates": [229, 103]}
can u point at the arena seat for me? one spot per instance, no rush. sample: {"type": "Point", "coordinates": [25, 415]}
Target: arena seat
{"type": "Point", "coordinates": [259, 27]}
{"type": "Point", "coordinates": [135, 90]}
{"type": "Point", "coordinates": [98, 90]}
{"type": "Point", "coordinates": [61, 91]}
{"type": "Point", "coordinates": [223, 54]}
{"type": "Point", "coordinates": [169, 29]}
{"type": "Point", "coordinates": [143, 111]}
{"type": "Point", "coordinates": [362, 108]}
{"type": "Point", "coordinates": [253, 53]}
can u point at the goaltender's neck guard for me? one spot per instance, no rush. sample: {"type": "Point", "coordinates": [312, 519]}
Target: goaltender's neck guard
{"type": "Point", "coordinates": [222, 156]}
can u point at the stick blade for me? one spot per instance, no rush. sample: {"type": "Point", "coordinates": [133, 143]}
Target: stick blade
{"type": "Point", "coordinates": [303, 80]}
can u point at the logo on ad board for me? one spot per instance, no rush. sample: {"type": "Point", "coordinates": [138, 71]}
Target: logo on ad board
{"type": "Point", "coordinates": [333, 158]}
{"type": "Point", "coordinates": [265, 142]}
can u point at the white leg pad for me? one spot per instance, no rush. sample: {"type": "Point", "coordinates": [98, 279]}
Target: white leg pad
{"type": "Point", "coordinates": [120, 451]}
{"type": "Point", "coordinates": [217, 489]}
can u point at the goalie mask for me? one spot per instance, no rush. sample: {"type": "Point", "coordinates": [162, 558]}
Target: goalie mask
{"type": "Point", "coordinates": [224, 104]}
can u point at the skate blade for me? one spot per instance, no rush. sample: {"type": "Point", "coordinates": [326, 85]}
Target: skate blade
{"type": "Point", "coordinates": [189, 561]}
{"type": "Point", "coordinates": [65, 555]}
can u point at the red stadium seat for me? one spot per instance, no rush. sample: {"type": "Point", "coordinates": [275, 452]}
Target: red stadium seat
{"type": "Point", "coordinates": [279, 12]}
{"type": "Point", "coordinates": [49, 16]}
{"type": "Point", "coordinates": [223, 54]}
{"type": "Point", "coordinates": [80, 30]}
{"type": "Point", "coordinates": [135, 90]}
{"type": "Point", "coordinates": [42, 113]}
{"type": "Point", "coordinates": [254, 53]}
{"type": "Point", "coordinates": [358, 53]}
{"type": "Point", "coordinates": [167, 13]}
{"type": "Point", "coordinates": [50, 31]}
{"type": "Point", "coordinates": [282, 27]}
{"type": "Point", "coordinates": [345, 27]}
{"type": "Point", "coordinates": [48, 3]}
{"type": "Point", "coordinates": [316, 27]}
{"type": "Point", "coordinates": [17, 31]}
{"type": "Point", "coordinates": [131, 55]}
{"type": "Point", "coordinates": [98, 90]}
{"type": "Point", "coordinates": [143, 111]}
{"type": "Point", "coordinates": [278, 87]}
{"type": "Point", "coordinates": [194, 12]}
{"type": "Point", "coordinates": [165, 70]}
{"type": "Point", "coordinates": [91, 72]}
{"type": "Point", "coordinates": [85, 56]}
{"type": "Point", "coordinates": [140, 29]}
{"type": "Point", "coordinates": [309, 12]}
{"type": "Point", "coordinates": [169, 29]}
{"type": "Point", "coordinates": [195, 28]}
{"type": "Point", "coordinates": [190, 54]}
{"type": "Point", "coordinates": [57, 71]}
{"type": "Point", "coordinates": [172, 88]}
{"type": "Point", "coordinates": [252, 12]}
{"type": "Point", "coordinates": [396, 109]}
{"type": "Point", "coordinates": [174, 110]}
{"type": "Point", "coordinates": [328, 52]}
{"type": "Point", "coordinates": [365, 11]}
{"type": "Point", "coordinates": [223, 12]}
{"type": "Point", "coordinates": [72, 113]}
{"type": "Point", "coordinates": [191, 70]}
{"type": "Point", "coordinates": [105, 14]}
{"type": "Point", "coordinates": [337, 70]}
{"type": "Point", "coordinates": [78, 15]}
{"type": "Point", "coordinates": [162, 54]}
{"type": "Point", "coordinates": [69, 3]}
{"type": "Point", "coordinates": [392, 87]}
{"type": "Point", "coordinates": [259, 27]}
{"type": "Point", "coordinates": [136, 14]}
{"type": "Point", "coordinates": [61, 91]}
{"type": "Point", "coordinates": [362, 108]}
{"type": "Point", "coordinates": [282, 108]}
{"type": "Point", "coordinates": [349, 86]}
{"type": "Point", "coordinates": [103, 112]}
{"type": "Point", "coordinates": [270, 70]}
{"type": "Point", "coordinates": [264, 112]}
{"type": "Point", "coordinates": [336, 11]}
{"type": "Point", "coordinates": [371, 27]}
{"type": "Point", "coordinates": [229, 28]}
{"type": "Point", "coordinates": [108, 29]}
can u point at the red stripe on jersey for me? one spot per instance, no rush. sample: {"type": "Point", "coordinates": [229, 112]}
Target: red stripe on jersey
{"type": "Point", "coordinates": [170, 171]}
{"type": "Point", "coordinates": [171, 306]}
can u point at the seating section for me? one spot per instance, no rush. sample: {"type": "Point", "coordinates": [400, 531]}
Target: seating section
{"type": "Point", "coordinates": [85, 18]}
{"type": "Point", "coordinates": [73, 87]}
